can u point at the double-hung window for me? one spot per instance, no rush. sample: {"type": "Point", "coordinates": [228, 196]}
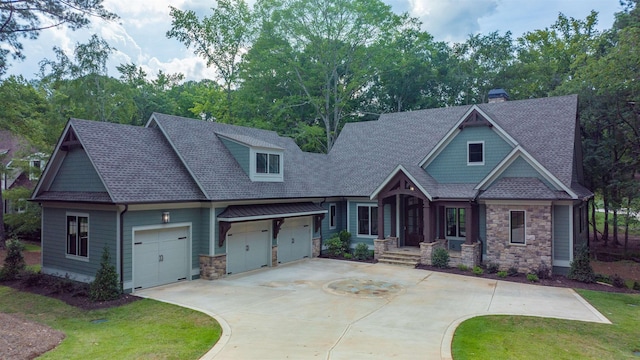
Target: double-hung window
{"type": "Point", "coordinates": [78, 235]}
{"type": "Point", "coordinates": [517, 227]}
{"type": "Point", "coordinates": [456, 222]}
{"type": "Point", "coordinates": [475, 153]}
{"type": "Point", "coordinates": [368, 220]}
{"type": "Point", "coordinates": [332, 216]}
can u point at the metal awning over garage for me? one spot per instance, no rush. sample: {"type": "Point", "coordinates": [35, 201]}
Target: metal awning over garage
{"type": "Point", "coordinates": [275, 212]}
{"type": "Point", "coordinates": [235, 213]}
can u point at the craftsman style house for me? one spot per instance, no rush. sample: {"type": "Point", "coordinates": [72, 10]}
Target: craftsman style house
{"type": "Point", "coordinates": [181, 198]}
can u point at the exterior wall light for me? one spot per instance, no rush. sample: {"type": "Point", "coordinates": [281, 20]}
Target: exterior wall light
{"type": "Point", "coordinates": [165, 217]}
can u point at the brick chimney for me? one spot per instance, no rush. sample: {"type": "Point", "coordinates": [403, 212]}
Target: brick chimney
{"type": "Point", "coordinates": [498, 95]}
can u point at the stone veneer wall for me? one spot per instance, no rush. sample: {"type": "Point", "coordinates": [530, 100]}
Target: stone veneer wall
{"type": "Point", "coordinates": [274, 255]}
{"type": "Point", "coordinates": [380, 246]}
{"type": "Point", "coordinates": [213, 267]}
{"type": "Point", "coordinates": [426, 250]}
{"type": "Point", "coordinates": [526, 258]}
{"type": "Point", "coordinates": [316, 247]}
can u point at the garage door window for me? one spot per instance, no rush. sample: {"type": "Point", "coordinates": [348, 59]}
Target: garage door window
{"type": "Point", "coordinates": [78, 235]}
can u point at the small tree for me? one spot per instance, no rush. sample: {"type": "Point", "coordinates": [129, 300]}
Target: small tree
{"type": "Point", "coordinates": [580, 268]}
{"type": "Point", "coordinates": [14, 261]}
{"type": "Point", "coordinates": [440, 258]}
{"type": "Point", "coordinates": [106, 286]}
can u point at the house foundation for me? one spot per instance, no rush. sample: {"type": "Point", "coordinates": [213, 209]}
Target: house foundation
{"type": "Point", "coordinates": [316, 247]}
{"type": "Point", "coordinates": [471, 254]}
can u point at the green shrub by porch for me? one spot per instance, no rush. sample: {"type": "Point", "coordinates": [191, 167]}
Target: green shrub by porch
{"type": "Point", "coordinates": [106, 286]}
{"type": "Point", "coordinates": [361, 252]}
{"type": "Point", "coordinates": [335, 246]}
{"type": "Point", "coordinates": [440, 258]}
{"type": "Point", "coordinates": [580, 268]}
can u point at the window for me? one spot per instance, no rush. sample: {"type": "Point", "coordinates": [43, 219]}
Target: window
{"type": "Point", "coordinates": [368, 220]}
{"type": "Point", "coordinates": [475, 153]}
{"type": "Point", "coordinates": [267, 163]}
{"type": "Point", "coordinates": [517, 227]}
{"type": "Point", "coordinates": [34, 169]}
{"type": "Point", "coordinates": [456, 222]}
{"type": "Point", "coordinates": [332, 216]}
{"type": "Point", "coordinates": [78, 235]}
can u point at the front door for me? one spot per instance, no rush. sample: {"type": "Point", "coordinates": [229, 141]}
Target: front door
{"type": "Point", "coordinates": [413, 221]}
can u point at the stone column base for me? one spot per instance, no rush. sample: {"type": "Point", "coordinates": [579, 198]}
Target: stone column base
{"type": "Point", "coordinates": [274, 255]}
{"type": "Point", "coordinates": [380, 246]}
{"type": "Point", "coordinates": [213, 267]}
{"type": "Point", "coordinates": [426, 250]}
{"type": "Point", "coordinates": [471, 254]}
{"type": "Point", "coordinates": [316, 247]}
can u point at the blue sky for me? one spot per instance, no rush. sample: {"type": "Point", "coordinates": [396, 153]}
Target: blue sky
{"type": "Point", "coordinates": [139, 36]}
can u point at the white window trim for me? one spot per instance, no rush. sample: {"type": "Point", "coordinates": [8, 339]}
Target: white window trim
{"type": "Point", "coordinates": [469, 163]}
{"type": "Point", "coordinates": [366, 236]}
{"type": "Point", "coordinates": [333, 218]}
{"type": "Point", "coordinates": [525, 228]}
{"type": "Point", "coordinates": [255, 176]}
{"type": "Point", "coordinates": [66, 228]}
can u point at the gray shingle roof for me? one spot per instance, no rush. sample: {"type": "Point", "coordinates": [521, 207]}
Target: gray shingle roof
{"type": "Point", "coordinates": [521, 189]}
{"type": "Point", "coordinates": [220, 175]}
{"type": "Point", "coordinates": [181, 159]}
{"type": "Point", "coordinates": [75, 196]}
{"type": "Point", "coordinates": [270, 210]}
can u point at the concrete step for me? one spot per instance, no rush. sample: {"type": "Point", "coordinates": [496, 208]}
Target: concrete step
{"type": "Point", "coordinates": [405, 263]}
{"type": "Point", "coordinates": [401, 254]}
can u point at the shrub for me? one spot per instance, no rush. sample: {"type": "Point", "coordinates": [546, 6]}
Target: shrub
{"type": "Point", "coordinates": [502, 274]}
{"type": "Point", "coordinates": [440, 258]}
{"type": "Point", "coordinates": [361, 252]}
{"type": "Point", "coordinates": [335, 247]}
{"type": "Point", "coordinates": [345, 238]}
{"type": "Point", "coordinates": [478, 271]}
{"type": "Point", "coordinates": [491, 268]}
{"type": "Point", "coordinates": [32, 279]}
{"type": "Point", "coordinates": [602, 278]}
{"type": "Point", "coordinates": [463, 267]}
{"type": "Point", "coordinates": [617, 281]}
{"type": "Point", "coordinates": [512, 271]}
{"type": "Point", "coordinates": [543, 272]}
{"type": "Point", "coordinates": [532, 278]}
{"type": "Point", "coordinates": [106, 285]}
{"type": "Point", "coordinates": [636, 285]}
{"type": "Point", "coordinates": [347, 256]}
{"type": "Point", "coordinates": [580, 268]}
{"type": "Point", "coordinates": [62, 285]}
{"type": "Point", "coordinates": [14, 261]}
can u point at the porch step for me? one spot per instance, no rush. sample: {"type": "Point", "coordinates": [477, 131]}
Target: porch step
{"type": "Point", "coordinates": [401, 258]}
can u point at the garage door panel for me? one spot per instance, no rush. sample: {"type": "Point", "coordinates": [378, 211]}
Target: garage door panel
{"type": "Point", "coordinates": [174, 260]}
{"type": "Point", "coordinates": [160, 256]}
{"type": "Point", "coordinates": [294, 240]}
{"type": "Point", "coordinates": [146, 264]}
{"type": "Point", "coordinates": [248, 246]}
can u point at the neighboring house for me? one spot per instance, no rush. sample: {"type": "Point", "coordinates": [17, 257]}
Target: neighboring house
{"type": "Point", "coordinates": [182, 198]}
{"type": "Point", "coordinates": [21, 167]}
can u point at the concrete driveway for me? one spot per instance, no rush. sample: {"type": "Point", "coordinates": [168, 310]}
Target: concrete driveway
{"type": "Point", "coordinates": [319, 308]}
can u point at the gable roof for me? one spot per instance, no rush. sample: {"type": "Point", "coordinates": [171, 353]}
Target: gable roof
{"type": "Point", "coordinates": [180, 159]}
{"type": "Point", "coordinates": [135, 164]}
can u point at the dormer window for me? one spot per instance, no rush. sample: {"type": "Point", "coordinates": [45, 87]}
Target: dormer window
{"type": "Point", "coordinates": [475, 153]}
{"type": "Point", "coordinates": [266, 165]}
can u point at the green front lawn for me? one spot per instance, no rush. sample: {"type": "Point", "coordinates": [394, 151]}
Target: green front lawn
{"type": "Point", "coordinates": [523, 337]}
{"type": "Point", "coordinates": [142, 329]}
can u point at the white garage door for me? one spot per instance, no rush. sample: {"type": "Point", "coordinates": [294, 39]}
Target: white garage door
{"type": "Point", "coordinates": [294, 239]}
{"type": "Point", "coordinates": [248, 246]}
{"type": "Point", "coordinates": [160, 256]}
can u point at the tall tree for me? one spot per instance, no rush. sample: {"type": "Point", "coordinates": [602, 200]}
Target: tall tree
{"type": "Point", "coordinates": [20, 19]}
{"type": "Point", "coordinates": [220, 39]}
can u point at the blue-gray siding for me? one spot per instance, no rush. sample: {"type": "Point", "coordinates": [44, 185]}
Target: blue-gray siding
{"type": "Point", "coordinates": [521, 168]}
{"type": "Point", "coordinates": [77, 174]}
{"type": "Point", "coordinates": [240, 152]}
{"type": "Point", "coordinates": [198, 217]}
{"type": "Point", "coordinates": [341, 219]}
{"type": "Point", "coordinates": [102, 231]}
{"type": "Point", "coordinates": [450, 166]}
{"type": "Point", "coordinates": [561, 232]}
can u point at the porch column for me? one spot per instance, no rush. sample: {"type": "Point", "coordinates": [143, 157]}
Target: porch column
{"type": "Point", "coordinates": [380, 218]}
{"type": "Point", "coordinates": [468, 219]}
{"type": "Point", "coordinates": [426, 222]}
{"type": "Point", "coordinates": [393, 216]}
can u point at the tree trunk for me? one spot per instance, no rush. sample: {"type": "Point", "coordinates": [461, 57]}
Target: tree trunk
{"type": "Point", "coordinates": [593, 220]}
{"type": "Point", "coordinates": [627, 220]}
{"type": "Point", "coordinates": [615, 227]}
{"type": "Point", "coordinates": [2, 234]}
{"type": "Point", "coordinates": [605, 229]}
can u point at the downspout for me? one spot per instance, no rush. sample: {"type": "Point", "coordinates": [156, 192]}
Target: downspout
{"type": "Point", "coordinates": [126, 207]}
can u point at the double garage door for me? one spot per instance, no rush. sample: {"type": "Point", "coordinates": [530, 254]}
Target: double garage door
{"type": "Point", "coordinates": [249, 243]}
{"type": "Point", "coordinates": [160, 256]}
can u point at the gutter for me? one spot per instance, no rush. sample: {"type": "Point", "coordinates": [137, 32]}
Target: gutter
{"type": "Point", "coordinates": [126, 207]}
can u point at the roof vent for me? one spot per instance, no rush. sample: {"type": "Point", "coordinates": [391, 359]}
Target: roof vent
{"type": "Point", "coordinates": [498, 95]}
